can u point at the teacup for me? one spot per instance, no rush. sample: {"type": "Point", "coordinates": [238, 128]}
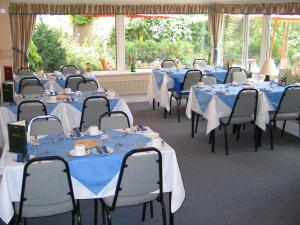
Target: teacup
{"type": "Point", "coordinates": [79, 150]}
{"type": "Point", "coordinates": [68, 91]}
{"type": "Point", "coordinates": [93, 130]}
{"type": "Point", "coordinates": [201, 84]}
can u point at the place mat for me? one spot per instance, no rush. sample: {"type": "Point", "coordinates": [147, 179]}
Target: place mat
{"type": "Point", "coordinates": [88, 143]}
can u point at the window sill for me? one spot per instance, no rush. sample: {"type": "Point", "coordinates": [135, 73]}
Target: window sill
{"type": "Point", "coordinates": [121, 73]}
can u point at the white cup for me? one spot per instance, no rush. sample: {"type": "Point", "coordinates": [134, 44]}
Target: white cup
{"type": "Point", "coordinates": [201, 84]}
{"type": "Point", "coordinates": [79, 150]}
{"type": "Point", "coordinates": [68, 91]}
{"type": "Point", "coordinates": [93, 130]}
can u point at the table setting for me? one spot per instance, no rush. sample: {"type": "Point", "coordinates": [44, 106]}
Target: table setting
{"type": "Point", "coordinates": [94, 158]}
{"type": "Point", "coordinates": [66, 105]}
{"type": "Point", "coordinates": [216, 101]}
{"type": "Point", "coordinates": [163, 79]}
{"type": "Point", "coordinates": [55, 81]}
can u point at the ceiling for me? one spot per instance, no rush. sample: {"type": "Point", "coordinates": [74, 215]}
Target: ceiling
{"type": "Point", "coordinates": [145, 2]}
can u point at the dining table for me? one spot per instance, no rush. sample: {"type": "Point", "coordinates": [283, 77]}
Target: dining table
{"type": "Point", "coordinates": [51, 81]}
{"type": "Point", "coordinates": [162, 80]}
{"type": "Point", "coordinates": [94, 175]}
{"type": "Point", "coordinates": [68, 110]}
{"type": "Point", "coordinates": [216, 101]}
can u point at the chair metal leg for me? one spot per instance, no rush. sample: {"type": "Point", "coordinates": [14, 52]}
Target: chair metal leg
{"type": "Point", "coordinates": [153, 103]}
{"type": "Point", "coordinates": [73, 218]}
{"type": "Point", "coordinates": [271, 136]}
{"type": "Point", "coordinates": [193, 120]}
{"type": "Point", "coordinates": [197, 122]}
{"type": "Point", "coordinates": [283, 128]}
{"type": "Point", "coordinates": [238, 131]}
{"type": "Point", "coordinates": [226, 141]}
{"type": "Point", "coordinates": [170, 105]}
{"type": "Point", "coordinates": [171, 215]}
{"type": "Point", "coordinates": [213, 134]}
{"type": "Point", "coordinates": [96, 212]}
{"type": "Point", "coordinates": [78, 213]}
{"type": "Point", "coordinates": [165, 113]}
{"type": "Point", "coordinates": [25, 221]}
{"type": "Point", "coordinates": [108, 216]}
{"type": "Point", "coordinates": [144, 212]}
{"type": "Point", "coordinates": [163, 209]}
{"type": "Point", "coordinates": [255, 138]}
{"type": "Point", "coordinates": [103, 213]}
{"type": "Point", "coordinates": [158, 104]}
{"type": "Point", "coordinates": [178, 111]}
{"type": "Point", "coordinates": [151, 209]}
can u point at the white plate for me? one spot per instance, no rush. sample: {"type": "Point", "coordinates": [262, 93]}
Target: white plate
{"type": "Point", "coordinates": [77, 153]}
{"type": "Point", "coordinates": [110, 150]}
{"type": "Point", "coordinates": [99, 133]}
{"type": "Point", "coordinates": [49, 102]}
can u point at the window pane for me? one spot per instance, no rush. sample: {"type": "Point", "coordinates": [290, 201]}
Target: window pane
{"type": "Point", "coordinates": [233, 38]}
{"type": "Point", "coordinates": [286, 43]}
{"type": "Point", "coordinates": [255, 36]}
{"type": "Point", "coordinates": [59, 40]}
{"type": "Point", "coordinates": [149, 37]}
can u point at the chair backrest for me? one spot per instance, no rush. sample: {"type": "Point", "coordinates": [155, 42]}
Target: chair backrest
{"type": "Point", "coordinates": [113, 120]}
{"type": "Point", "coordinates": [245, 104]}
{"type": "Point", "coordinates": [140, 174]}
{"type": "Point", "coordinates": [93, 108]}
{"type": "Point", "coordinates": [208, 80]}
{"type": "Point", "coordinates": [32, 89]}
{"type": "Point", "coordinates": [73, 81]}
{"type": "Point", "coordinates": [200, 62]}
{"type": "Point", "coordinates": [239, 73]}
{"type": "Point", "coordinates": [68, 69]}
{"type": "Point", "coordinates": [45, 125]}
{"type": "Point", "coordinates": [192, 77]}
{"type": "Point", "coordinates": [27, 110]}
{"type": "Point", "coordinates": [25, 71]}
{"type": "Point", "coordinates": [28, 80]}
{"type": "Point", "coordinates": [87, 85]}
{"type": "Point", "coordinates": [167, 63]}
{"type": "Point", "coordinates": [46, 188]}
{"type": "Point", "coordinates": [289, 101]}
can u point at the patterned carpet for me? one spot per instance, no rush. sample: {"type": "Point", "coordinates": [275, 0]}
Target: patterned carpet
{"type": "Point", "coordinates": [244, 188]}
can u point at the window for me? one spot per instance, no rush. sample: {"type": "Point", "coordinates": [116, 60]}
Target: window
{"type": "Point", "coordinates": [255, 36]}
{"type": "Point", "coordinates": [152, 37]}
{"type": "Point", "coordinates": [233, 38]}
{"type": "Point", "coordinates": [59, 40]}
{"type": "Point", "coordinates": [285, 43]}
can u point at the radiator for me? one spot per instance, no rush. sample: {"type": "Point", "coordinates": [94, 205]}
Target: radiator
{"type": "Point", "coordinates": [126, 87]}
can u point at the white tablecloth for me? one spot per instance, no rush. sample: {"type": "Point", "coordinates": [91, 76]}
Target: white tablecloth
{"type": "Point", "coordinates": [10, 186]}
{"type": "Point", "coordinates": [69, 116]}
{"type": "Point", "coordinates": [217, 109]}
{"type": "Point", "coordinates": [161, 95]}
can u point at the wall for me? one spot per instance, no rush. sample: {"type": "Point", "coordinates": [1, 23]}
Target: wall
{"type": "Point", "coordinates": [5, 39]}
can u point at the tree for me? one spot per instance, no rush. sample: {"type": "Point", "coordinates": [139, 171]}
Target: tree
{"type": "Point", "coordinates": [33, 56]}
{"type": "Point", "coordinates": [49, 47]}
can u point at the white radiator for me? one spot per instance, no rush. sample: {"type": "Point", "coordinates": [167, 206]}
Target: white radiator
{"type": "Point", "coordinates": [126, 87]}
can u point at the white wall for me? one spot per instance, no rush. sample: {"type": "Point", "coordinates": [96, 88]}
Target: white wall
{"type": "Point", "coordinates": [5, 39]}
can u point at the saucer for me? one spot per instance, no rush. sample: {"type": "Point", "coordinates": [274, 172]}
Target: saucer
{"type": "Point", "coordinates": [77, 153]}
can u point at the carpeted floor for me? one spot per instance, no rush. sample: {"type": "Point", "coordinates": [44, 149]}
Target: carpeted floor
{"type": "Point", "coordinates": [244, 188]}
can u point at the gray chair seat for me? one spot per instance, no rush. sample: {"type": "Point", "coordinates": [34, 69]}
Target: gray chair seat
{"type": "Point", "coordinates": [129, 201]}
{"type": "Point", "coordinates": [284, 116]}
{"type": "Point", "coordinates": [30, 211]}
{"type": "Point", "coordinates": [237, 120]}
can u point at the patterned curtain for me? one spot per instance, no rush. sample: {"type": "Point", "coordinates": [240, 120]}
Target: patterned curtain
{"type": "Point", "coordinates": [215, 21]}
{"type": "Point", "coordinates": [21, 31]}
{"type": "Point", "coordinates": [238, 8]}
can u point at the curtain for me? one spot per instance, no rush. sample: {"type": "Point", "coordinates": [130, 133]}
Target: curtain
{"type": "Point", "coordinates": [21, 31]}
{"type": "Point", "coordinates": [233, 8]}
{"type": "Point", "coordinates": [215, 21]}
